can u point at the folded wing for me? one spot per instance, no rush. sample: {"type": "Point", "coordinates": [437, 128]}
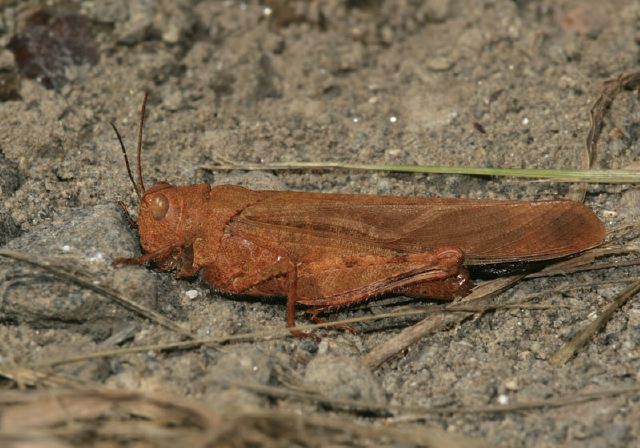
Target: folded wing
{"type": "Point", "coordinates": [310, 225]}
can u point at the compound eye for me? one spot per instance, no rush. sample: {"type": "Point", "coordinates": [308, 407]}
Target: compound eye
{"type": "Point", "coordinates": [159, 206]}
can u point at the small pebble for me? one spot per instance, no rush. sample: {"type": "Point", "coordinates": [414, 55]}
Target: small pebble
{"type": "Point", "coordinates": [511, 385]}
{"type": "Point", "coordinates": [323, 347]}
{"type": "Point", "coordinates": [192, 294]}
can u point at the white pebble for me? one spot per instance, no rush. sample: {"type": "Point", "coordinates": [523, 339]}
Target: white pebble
{"type": "Point", "coordinates": [192, 294]}
{"type": "Point", "coordinates": [323, 347]}
{"type": "Point", "coordinates": [97, 257]}
{"type": "Point", "coordinates": [511, 385]}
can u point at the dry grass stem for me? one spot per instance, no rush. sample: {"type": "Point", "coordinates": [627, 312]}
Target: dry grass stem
{"type": "Point", "coordinates": [457, 308]}
{"type": "Point", "coordinates": [83, 279]}
{"type": "Point", "coordinates": [93, 417]}
{"type": "Point", "coordinates": [416, 412]}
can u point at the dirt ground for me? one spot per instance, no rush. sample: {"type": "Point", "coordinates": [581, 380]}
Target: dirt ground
{"type": "Point", "coordinates": [434, 82]}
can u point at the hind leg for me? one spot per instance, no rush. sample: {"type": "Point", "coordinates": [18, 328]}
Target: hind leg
{"type": "Point", "coordinates": [448, 289]}
{"type": "Point", "coordinates": [333, 283]}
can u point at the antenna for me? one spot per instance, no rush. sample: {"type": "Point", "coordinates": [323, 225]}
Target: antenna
{"type": "Point", "coordinates": [142, 110]}
{"type": "Point", "coordinates": [126, 160]}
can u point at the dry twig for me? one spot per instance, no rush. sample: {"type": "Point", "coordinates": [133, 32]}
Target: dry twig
{"type": "Point", "coordinates": [481, 295]}
{"type": "Point", "coordinates": [571, 348]}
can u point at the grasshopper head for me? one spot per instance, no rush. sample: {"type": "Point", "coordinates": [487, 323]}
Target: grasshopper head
{"type": "Point", "coordinates": [169, 216]}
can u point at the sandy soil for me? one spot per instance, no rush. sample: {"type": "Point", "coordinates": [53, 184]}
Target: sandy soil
{"type": "Point", "coordinates": [438, 82]}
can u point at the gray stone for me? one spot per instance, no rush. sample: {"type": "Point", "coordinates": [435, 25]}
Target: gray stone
{"type": "Point", "coordinates": [86, 240]}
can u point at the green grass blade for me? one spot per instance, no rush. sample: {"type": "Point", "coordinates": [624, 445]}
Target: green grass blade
{"type": "Point", "coordinates": [555, 175]}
